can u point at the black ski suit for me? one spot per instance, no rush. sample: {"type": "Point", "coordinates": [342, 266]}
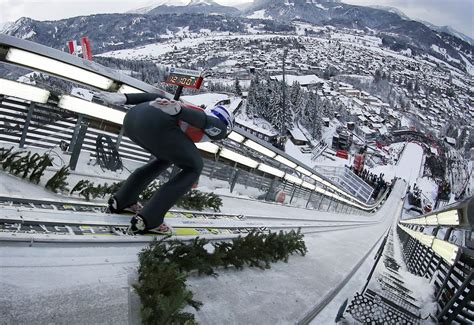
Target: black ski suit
{"type": "Point", "coordinates": [160, 134]}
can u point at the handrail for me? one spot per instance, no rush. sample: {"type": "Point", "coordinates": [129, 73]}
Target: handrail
{"type": "Point", "coordinates": [445, 249]}
{"type": "Point", "coordinates": [459, 214]}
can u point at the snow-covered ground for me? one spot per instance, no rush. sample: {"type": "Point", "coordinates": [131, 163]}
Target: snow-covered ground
{"type": "Point", "coordinates": [154, 51]}
{"type": "Point", "coordinates": [89, 284]}
{"type": "Point", "coordinates": [408, 168]}
{"type": "Point", "coordinates": [207, 99]}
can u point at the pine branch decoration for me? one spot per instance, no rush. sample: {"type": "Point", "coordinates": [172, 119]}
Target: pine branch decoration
{"type": "Point", "coordinates": [11, 159]}
{"type": "Point", "coordinates": [58, 181]}
{"type": "Point", "coordinates": [30, 165]}
{"type": "Point", "coordinates": [198, 201]}
{"type": "Point", "coordinates": [164, 267]}
{"type": "Point", "coordinates": [4, 154]}
{"type": "Point", "coordinates": [18, 166]}
{"type": "Point", "coordinates": [82, 184]}
{"type": "Point", "coordinates": [38, 171]}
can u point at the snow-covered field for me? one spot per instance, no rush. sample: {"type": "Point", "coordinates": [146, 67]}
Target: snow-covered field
{"type": "Point", "coordinates": [154, 51]}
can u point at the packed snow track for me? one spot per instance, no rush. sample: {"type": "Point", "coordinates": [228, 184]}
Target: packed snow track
{"type": "Point", "coordinates": [90, 280]}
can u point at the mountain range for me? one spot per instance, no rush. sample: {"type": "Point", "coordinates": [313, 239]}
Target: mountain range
{"type": "Point", "coordinates": [194, 7]}
{"type": "Point", "coordinates": [145, 25]}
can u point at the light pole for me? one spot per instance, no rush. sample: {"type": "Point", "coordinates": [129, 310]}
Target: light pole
{"type": "Point", "coordinates": [283, 104]}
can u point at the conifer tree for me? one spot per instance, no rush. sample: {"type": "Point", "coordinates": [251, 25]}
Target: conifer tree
{"type": "Point", "coordinates": [296, 100]}
{"type": "Point", "coordinates": [326, 108]}
{"type": "Point", "coordinates": [237, 88]}
{"type": "Point", "coordinates": [286, 113]}
{"type": "Point", "coordinates": [279, 113]}
{"type": "Point", "coordinates": [312, 120]}
{"type": "Point", "coordinates": [252, 97]}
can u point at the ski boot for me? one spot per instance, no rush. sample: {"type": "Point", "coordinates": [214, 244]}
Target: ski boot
{"type": "Point", "coordinates": [162, 229]}
{"type": "Point", "coordinates": [137, 225]}
{"type": "Point", "coordinates": [134, 208]}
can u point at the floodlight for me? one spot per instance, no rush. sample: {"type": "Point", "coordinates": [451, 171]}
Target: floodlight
{"type": "Point", "coordinates": [446, 250]}
{"type": "Point", "coordinates": [303, 171]}
{"type": "Point", "coordinates": [241, 159]}
{"type": "Point", "coordinates": [236, 137]}
{"type": "Point", "coordinates": [414, 221]}
{"type": "Point", "coordinates": [320, 190]}
{"type": "Point", "coordinates": [316, 178]}
{"type": "Point", "coordinates": [91, 109]}
{"type": "Point", "coordinates": [257, 147]}
{"type": "Point", "coordinates": [208, 147]}
{"type": "Point", "coordinates": [23, 91]}
{"type": "Point", "coordinates": [426, 240]}
{"type": "Point", "coordinates": [293, 179]}
{"type": "Point", "coordinates": [431, 220]}
{"type": "Point", "coordinates": [308, 186]}
{"type": "Point", "coordinates": [58, 68]}
{"type": "Point", "coordinates": [448, 218]}
{"type": "Point", "coordinates": [285, 161]}
{"type": "Point", "coordinates": [270, 170]}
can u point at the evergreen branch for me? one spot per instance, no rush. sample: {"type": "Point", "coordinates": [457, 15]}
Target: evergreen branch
{"type": "Point", "coordinates": [80, 186]}
{"type": "Point", "coordinates": [5, 153]}
{"type": "Point", "coordinates": [164, 267]}
{"type": "Point", "coordinates": [38, 170]}
{"type": "Point", "coordinates": [58, 181]}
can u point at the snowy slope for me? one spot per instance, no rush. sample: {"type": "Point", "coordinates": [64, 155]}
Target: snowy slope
{"type": "Point", "coordinates": [91, 284]}
{"type": "Point", "coordinates": [408, 168]}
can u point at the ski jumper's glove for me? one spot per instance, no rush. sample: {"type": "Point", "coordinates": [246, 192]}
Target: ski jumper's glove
{"type": "Point", "coordinates": [112, 98]}
{"type": "Point", "coordinates": [170, 107]}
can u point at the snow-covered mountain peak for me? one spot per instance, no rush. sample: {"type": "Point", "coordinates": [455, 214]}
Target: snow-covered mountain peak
{"type": "Point", "coordinates": [202, 3]}
{"type": "Point", "coordinates": [170, 3]}
{"type": "Point", "coordinates": [153, 4]}
{"type": "Point", "coordinates": [15, 26]}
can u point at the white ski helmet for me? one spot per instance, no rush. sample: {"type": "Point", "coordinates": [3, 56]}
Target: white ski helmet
{"type": "Point", "coordinates": [224, 115]}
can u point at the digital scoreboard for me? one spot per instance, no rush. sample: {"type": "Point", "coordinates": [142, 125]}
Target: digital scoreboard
{"type": "Point", "coordinates": [185, 78]}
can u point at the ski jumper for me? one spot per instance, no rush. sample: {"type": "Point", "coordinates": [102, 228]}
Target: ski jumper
{"type": "Point", "coordinates": [171, 140]}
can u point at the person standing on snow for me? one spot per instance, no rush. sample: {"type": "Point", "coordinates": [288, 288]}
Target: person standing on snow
{"type": "Point", "coordinates": [168, 130]}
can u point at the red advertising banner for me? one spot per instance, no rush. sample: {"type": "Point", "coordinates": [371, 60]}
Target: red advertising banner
{"type": "Point", "coordinates": [86, 48]}
{"type": "Point", "coordinates": [359, 161]}
{"type": "Point", "coordinates": [72, 47]}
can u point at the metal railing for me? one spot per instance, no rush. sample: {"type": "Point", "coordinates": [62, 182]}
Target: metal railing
{"type": "Point", "coordinates": [38, 57]}
{"type": "Point", "coordinates": [41, 131]}
{"type": "Point", "coordinates": [349, 181]}
{"type": "Point", "coordinates": [437, 246]}
{"type": "Point", "coordinates": [440, 247]}
{"type": "Point", "coordinates": [385, 298]}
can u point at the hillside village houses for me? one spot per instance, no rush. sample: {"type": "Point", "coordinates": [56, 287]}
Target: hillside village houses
{"type": "Point", "coordinates": [314, 60]}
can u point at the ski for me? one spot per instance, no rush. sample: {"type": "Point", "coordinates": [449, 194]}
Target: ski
{"type": "Point", "coordinates": [81, 206]}
{"type": "Point", "coordinates": [60, 229]}
{"type": "Point", "coordinates": [174, 219]}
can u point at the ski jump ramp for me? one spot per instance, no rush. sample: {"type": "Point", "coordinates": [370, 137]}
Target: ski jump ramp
{"type": "Point", "coordinates": [90, 284]}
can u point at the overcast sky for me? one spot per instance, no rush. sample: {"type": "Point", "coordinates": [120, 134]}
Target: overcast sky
{"type": "Point", "coordinates": [456, 13]}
